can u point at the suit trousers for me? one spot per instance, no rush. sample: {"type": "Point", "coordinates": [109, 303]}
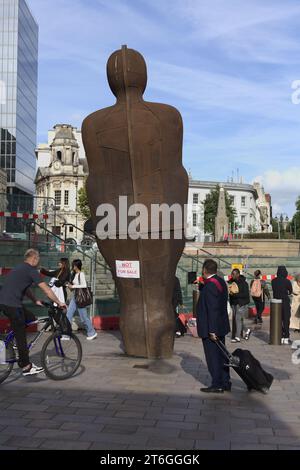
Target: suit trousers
{"type": "Point", "coordinates": [215, 362]}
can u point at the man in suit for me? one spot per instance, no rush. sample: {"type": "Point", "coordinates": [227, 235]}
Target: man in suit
{"type": "Point", "coordinates": [213, 324]}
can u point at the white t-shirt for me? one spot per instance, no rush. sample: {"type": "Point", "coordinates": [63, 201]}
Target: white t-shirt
{"type": "Point", "coordinates": [82, 283]}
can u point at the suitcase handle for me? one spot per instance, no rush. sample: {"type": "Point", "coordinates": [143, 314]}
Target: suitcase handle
{"type": "Point", "coordinates": [233, 361]}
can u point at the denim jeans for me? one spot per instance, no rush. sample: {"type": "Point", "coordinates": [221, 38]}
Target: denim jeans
{"type": "Point", "coordinates": [83, 316]}
{"type": "Point", "coordinates": [239, 320]}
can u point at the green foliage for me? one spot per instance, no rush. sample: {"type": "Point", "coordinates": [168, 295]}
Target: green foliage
{"type": "Point", "coordinates": [274, 224]}
{"type": "Point", "coordinates": [252, 228]}
{"type": "Point", "coordinates": [295, 223]}
{"type": "Point", "coordinates": [83, 204]}
{"type": "Point", "coordinates": [211, 208]}
{"type": "Point", "coordinates": [268, 236]}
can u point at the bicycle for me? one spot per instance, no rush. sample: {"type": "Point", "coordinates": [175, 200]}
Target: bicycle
{"type": "Point", "coordinates": [60, 355]}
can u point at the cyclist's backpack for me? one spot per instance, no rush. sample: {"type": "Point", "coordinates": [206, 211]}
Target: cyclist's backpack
{"type": "Point", "coordinates": [256, 289]}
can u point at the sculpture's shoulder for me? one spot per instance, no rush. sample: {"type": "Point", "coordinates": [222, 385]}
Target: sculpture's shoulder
{"type": "Point", "coordinates": [164, 110]}
{"type": "Point", "coordinates": [91, 121]}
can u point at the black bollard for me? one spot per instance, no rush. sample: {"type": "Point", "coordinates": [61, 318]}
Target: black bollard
{"type": "Point", "coordinates": [276, 322]}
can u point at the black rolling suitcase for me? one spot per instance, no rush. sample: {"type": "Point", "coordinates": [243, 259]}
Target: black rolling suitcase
{"type": "Point", "coordinates": [248, 368]}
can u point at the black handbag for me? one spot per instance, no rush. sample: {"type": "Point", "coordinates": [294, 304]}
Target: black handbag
{"type": "Point", "coordinates": [83, 296]}
{"type": "Point", "coordinates": [62, 321]}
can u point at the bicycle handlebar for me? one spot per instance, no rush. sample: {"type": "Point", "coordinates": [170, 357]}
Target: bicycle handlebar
{"type": "Point", "coordinates": [50, 305]}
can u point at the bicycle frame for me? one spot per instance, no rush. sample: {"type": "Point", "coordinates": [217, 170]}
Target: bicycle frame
{"type": "Point", "coordinates": [48, 322]}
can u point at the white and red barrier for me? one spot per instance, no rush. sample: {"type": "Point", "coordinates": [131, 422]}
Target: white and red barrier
{"type": "Point", "coordinates": [265, 277]}
{"type": "Point", "coordinates": [25, 216]}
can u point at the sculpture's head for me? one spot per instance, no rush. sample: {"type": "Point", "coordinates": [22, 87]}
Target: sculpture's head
{"type": "Point", "coordinates": [126, 68]}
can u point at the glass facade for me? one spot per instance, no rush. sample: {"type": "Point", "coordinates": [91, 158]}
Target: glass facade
{"type": "Point", "coordinates": [18, 90]}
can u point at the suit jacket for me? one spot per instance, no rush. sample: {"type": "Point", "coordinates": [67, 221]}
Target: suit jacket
{"type": "Point", "coordinates": [212, 314]}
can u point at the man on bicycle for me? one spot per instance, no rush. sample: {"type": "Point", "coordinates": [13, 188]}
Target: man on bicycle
{"type": "Point", "coordinates": [16, 286]}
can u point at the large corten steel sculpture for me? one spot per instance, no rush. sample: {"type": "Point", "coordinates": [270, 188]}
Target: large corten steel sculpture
{"type": "Point", "coordinates": [134, 149]}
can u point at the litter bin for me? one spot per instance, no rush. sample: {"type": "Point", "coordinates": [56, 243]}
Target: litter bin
{"type": "Point", "coordinates": [276, 322]}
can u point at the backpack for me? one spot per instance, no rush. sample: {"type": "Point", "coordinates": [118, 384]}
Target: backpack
{"type": "Point", "coordinates": [256, 288]}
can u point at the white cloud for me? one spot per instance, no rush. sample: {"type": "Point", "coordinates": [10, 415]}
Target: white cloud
{"type": "Point", "coordinates": [221, 18]}
{"type": "Point", "coordinates": [204, 89]}
{"type": "Point", "coordinates": [277, 208]}
{"type": "Point", "coordinates": [286, 181]}
{"type": "Point", "coordinates": [284, 187]}
{"type": "Point", "coordinates": [257, 31]}
{"type": "Point", "coordinates": [88, 31]}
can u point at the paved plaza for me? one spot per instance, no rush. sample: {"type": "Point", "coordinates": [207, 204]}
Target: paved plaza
{"type": "Point", "coordinates": [116, 402]}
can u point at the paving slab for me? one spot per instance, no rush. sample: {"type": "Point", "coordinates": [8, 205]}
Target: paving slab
{"type": "Point", "coordinates": [111, 404]}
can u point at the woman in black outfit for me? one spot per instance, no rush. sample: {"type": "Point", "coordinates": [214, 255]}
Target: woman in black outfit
{"type": "Point", "coordinates": [62, 274]}
{"type": "Point", "coordinates": [282, 289]}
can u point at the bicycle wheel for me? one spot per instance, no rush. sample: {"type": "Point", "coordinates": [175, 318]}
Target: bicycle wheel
{"type": "Point", "coordinates": [61, 358]}
{"type": "Point", "coordinates": [7, 358]}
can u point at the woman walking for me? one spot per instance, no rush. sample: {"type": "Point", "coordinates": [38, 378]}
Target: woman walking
{"type": "Point", "coordinates": [259, 291]}
{"type": "Point", "coordinates": [295, 313]}
{"type": "Point", "coordinates": [61, 274]}
{"type": "Point", "coordinates": [282, 289]}
{"type": "Point", "coordinates": [78, 281]}
{"type": "Point", "coordinates": [239, 298]}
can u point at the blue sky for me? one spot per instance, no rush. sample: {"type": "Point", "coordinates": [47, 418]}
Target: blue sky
{"type": "Point", "coordinates": [227, 65]}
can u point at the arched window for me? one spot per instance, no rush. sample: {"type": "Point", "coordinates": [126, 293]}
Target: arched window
{"type": "Point", "coordinates": [59, 156]}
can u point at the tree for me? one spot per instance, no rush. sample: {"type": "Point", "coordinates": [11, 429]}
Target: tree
{"type": "Point", "coordinates": [274, 224]}
{"type": "Point", "coordinates": [83, 204]}
{"type": "Point", "coordinates": [295, 223]}
{"type": "Point", "coordinates": [252, 228]}
{"type": "Point", "coordinates": [211, 203]}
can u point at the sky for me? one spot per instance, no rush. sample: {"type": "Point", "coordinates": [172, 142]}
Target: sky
{"type": "Point", "coordinates": [227, 65]}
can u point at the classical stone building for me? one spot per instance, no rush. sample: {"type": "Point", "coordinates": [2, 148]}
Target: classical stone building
{"type": "Point", "coordinates": [251, 203]}
{"type": "Point", "coordinates": [61, 174]}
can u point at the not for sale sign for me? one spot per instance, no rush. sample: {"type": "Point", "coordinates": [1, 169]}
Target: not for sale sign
{"type": "Point", "coordinates": [128, 269]}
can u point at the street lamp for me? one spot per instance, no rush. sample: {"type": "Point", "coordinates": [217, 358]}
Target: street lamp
{"type": "Point", "coordinates": [282, 219]}
{"type": "Point", "coordinates": [278, 222]}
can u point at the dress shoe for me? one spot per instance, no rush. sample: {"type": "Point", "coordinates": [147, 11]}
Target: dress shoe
{"type": "Point", "coordinates": [227, 388]}
{"type": "Point", "coordinates": [212, 390]}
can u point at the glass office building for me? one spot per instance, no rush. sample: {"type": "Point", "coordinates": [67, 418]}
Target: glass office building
{"type": "Point", "coordinates": [18, 95]}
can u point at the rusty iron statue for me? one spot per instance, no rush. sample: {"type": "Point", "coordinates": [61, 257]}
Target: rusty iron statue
{"type": "Point", "coordinates": [134, 150]}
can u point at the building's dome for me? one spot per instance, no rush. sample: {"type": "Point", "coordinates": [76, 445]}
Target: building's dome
{"type": "Point", "coordinates": [64, 135]}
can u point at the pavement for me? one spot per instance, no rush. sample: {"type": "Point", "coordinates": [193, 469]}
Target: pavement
{"type": "Point", "coordinates": [117, 402]}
